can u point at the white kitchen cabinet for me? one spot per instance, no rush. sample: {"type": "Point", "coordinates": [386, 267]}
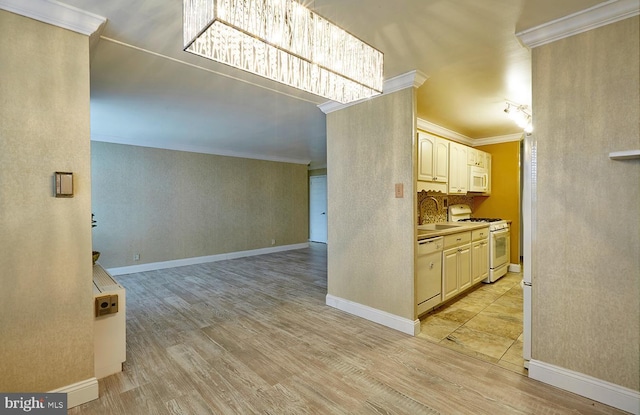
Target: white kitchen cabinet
{"type": "Point", "coordinates": [458, 174]}
{"type": "Point", "coordinates": [456, 264]}
{"type": "Point", "coordinates": [479, 255]}
{"type": "Point", "coordinates": [476, 158]}
{"type": "Point", "coordinates": [433, 158]}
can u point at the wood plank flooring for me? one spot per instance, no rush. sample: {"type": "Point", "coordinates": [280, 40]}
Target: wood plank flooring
{"type": "Point", "coordinates": [254, 336]}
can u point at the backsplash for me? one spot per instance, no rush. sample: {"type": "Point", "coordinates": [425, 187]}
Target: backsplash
{"type": "Point", "coordinates": [427, 212]}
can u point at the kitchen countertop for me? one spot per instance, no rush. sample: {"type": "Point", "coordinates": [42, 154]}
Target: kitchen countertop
{"type": "Point", "coordinates": [451, 228]}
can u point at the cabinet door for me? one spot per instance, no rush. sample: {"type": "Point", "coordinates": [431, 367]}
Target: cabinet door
{"type": "Point", "coordinates": [464, 267]}
{"type": "Point", "coordinates": [472, 157]}
{"type": "Point", "coordinates": [426, 151]}
{"type": "Point", "coordinates": [457, 168]}
{"type": "Point", "coordinates": [476, 262]}
{"type": "Point", "coordinates": [449, 273]}
{"type": "Point", "coordinates": [481, 158]}
{"type": "Point", "coordinates": [441, 160]}
{"type": "Point", "coordinates": [484, 255]}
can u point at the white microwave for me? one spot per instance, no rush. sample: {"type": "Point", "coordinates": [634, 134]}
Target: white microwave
{"type": "Point", "coordinates": [478, 179]}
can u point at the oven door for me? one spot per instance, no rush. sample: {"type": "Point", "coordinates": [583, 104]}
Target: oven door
{"type": "Point", "coordinates": [500, 248]}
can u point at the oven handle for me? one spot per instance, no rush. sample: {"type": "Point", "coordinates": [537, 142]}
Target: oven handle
{"type": "Point", "coordinates": [500, 232]}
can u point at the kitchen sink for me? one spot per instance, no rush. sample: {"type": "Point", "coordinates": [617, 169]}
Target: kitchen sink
{"type": "Point", "coordinates": [436, 226]}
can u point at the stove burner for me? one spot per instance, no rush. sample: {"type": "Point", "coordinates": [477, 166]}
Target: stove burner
{"type": "Point", "coordinates": [480, 220]}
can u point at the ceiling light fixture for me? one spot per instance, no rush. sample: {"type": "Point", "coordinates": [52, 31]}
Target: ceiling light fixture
{"type": "Point", "coordinates": [520, 115]}
{"type": "Point", "coordinates": [284, 41]}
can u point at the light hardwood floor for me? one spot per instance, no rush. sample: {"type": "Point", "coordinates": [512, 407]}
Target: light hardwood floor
{"type": "Point", "coordinates": [254, 336]}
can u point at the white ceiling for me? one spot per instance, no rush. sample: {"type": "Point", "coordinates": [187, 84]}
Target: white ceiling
{"type": "Point", "coordinates": [145, 90]}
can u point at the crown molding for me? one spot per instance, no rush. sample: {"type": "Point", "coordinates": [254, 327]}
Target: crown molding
{"type": "Point", "coordinates": [413, 79]}
{"type": "Point", "coordinates": [498, 139]}
{"type": "Point", "coordinates": [463, 139]}
{"type": "Point", "coordinates": [599, 15]}
{"type": "Point", "coordinates": [443, 132]}
{"type": "Point", "coordinates": [57, 14]}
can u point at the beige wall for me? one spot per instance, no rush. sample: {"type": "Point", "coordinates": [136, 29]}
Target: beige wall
{"type": "Point", "coordinates": [371, 234]}
{"type": "Point", "coordinates": [504, 201]}
{"type": "Point", "coordinates": [586, 265]}
{"type": "Point", "coordinates": [168, 205]}
{"type": "Point", "coordinates": [46, 321]}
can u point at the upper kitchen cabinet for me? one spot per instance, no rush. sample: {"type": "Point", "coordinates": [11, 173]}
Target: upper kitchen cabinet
{"type": "Point", "coordinates": [458, 175]}
{"type": "Point", "coordinates": [477, 158]}
{"type": "Point", "coordinates": [433, 163]}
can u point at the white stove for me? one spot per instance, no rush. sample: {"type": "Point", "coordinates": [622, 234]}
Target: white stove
{"type": "Point", "coordinates": [499, 239]}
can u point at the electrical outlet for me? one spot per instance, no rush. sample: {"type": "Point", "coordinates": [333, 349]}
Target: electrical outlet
{"type": "Point", "coordinates": [136, 257]}
{"type": "Point", "coordinates": [273, 242]}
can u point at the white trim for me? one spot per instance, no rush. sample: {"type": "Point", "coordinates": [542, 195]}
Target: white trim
{"type": "Point", "coordinates": [402, 324]}
{"type": "Point", "coordinates": [152, 266]}
{"type": "Point", "coordinates": [57, 14]}
{"type": "Point", "coordinates": [79, 393]}
{"type": "Point", "coordinates": [430, 127]}
{"type": "Point", "coordinates": [412, 79]}
{"type": "Point", "coordinates": [599, 15]}
{"type": "Point", "coordinates": [587, 386]}
{"type": "Point", "coordinates": [195, 149]}
{"type": "Point", "coordinates": [443, 132]}
{"type": "Point", "coordinates": [514, 268]}
{"type": "Point", "coordinates": [498, 139]}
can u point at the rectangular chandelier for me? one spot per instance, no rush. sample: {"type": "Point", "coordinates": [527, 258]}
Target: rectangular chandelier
{"type": "Point", "coordinates": [284, 41]}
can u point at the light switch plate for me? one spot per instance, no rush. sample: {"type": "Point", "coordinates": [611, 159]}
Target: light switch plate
{"type": "Point", "coordinates": [399, 190]}
{"type": "Point", "coordinates": [64, 184]}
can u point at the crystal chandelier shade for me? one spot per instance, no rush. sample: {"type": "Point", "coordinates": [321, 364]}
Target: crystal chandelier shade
{"type": "Point", "coordinates": [283, 41]}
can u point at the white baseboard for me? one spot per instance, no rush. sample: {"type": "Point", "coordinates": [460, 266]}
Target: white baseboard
{"type": "Point", "coordinates": [152, 266]}
{"type": "Point", "coordinates": [514, 268]}
{"type": "Point", "coordinates": [587, 386]}
{"type": "Point", "coordinates": [79, 393]}
{"type": "Point", "coordinates": [410, 327]}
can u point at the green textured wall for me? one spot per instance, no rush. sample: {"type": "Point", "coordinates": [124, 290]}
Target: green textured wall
{"type": "Point", "coordinates": [370, 147]}
{"type": "Point", "coordinates": [46, 319]}
{"type": "Point", "coordinates": [167, 205]}
{"type": "Point", "coordinates": [586, 104]}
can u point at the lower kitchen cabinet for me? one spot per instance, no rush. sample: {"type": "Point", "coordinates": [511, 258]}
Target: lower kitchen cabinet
{"type": "Point", "coordinates": [456, 264]}
{"type": "Point", "coordinates": [479, 255]}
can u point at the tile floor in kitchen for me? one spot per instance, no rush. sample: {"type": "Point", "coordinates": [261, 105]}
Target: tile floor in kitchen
{"type": "Point", "coordinates": [485, 323]}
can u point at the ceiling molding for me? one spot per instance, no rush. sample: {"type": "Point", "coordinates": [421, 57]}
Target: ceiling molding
{"type": "Point", "coordinates": [582, 21]}
{"type": "Point", "coordinates": [413, 79]}
{"type": "Point", "coordinates": [498, 139]}
{"type": "Point", "coordinates": [443, 132]}
{"type": "Point", "coordinates": [57, 14]}
{"type": "Point", "coordinates": [196, 149]}
{"type": "Point", "coordinates": [463, 139]}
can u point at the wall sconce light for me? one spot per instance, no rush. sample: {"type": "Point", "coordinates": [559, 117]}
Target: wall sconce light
{"type": "Point", "coordinates": [64, 184]}
{"type": "Point", "coordinates": [520, 115]}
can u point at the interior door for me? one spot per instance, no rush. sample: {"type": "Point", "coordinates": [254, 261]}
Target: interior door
{"type": "Point", "coordinates": [318, 209]}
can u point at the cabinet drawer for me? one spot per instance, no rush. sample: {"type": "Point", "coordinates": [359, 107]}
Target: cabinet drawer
{"type": "Point", "coordinates": [480, 234]}
{"type": "Point", "coordinates": [457, 239]}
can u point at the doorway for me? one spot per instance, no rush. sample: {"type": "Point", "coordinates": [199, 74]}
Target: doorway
{"type": "Point", "coordinates": [318, 209]}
